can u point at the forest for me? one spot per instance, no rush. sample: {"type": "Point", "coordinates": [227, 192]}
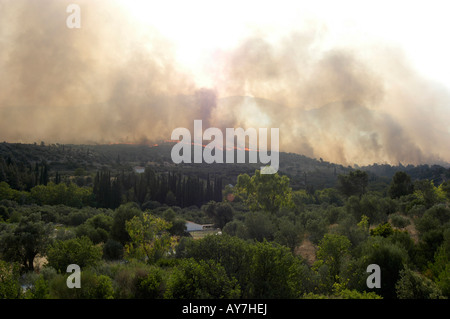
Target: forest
{"type": "Point", "coordinates": [307, 232]}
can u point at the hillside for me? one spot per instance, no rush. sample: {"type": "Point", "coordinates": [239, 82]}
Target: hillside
{"type": "Point", "coordinates": [302, 171]}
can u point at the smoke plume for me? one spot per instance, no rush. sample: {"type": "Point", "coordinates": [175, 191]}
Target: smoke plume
{"type": "Point", "coordinates": [110, 82]}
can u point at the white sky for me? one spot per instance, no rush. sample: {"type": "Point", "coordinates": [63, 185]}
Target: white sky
{"type": "Point", "coordinates": [198, 27]}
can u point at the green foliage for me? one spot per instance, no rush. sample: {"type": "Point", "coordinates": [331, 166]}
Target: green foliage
{"type": "Point", "coordinates": [356, 232]}
{"type": "Point", "coordinates": [97, 228]}
{"type": "Point", "coordinates": [39, 289]}
{"type": "Point", "coordinates": [368, 205]}
{"type": "Point", "coordinates": [221, 213]}
{"type": "Point", "coordinates": [399, 221]}
{"type": "Point", "coordinates": [9, 280]}
{"type": "Point", "coordinates": [79, 251]}
{"type": "Point", "coordinates": [315, 224]}
{"type": "Point", "coordinates": [149, 238]}
{"type": "Point", "coordinates": [440, 268]}
{"type": "Point", "coordinates": [444, 188]}
{"type": "Point", "coordinates": [113, 250]}
{"type": "Point", "coordinates": [344, 294]}
{"type": "Point", "coordinates": [229, 251]}
{"type": "Point", "coordinates": [401, 185]}
{"type": "Point", "coordinates": [353, 184]}
{"type": "Point", "coordinates": [274, 272]}
{"type": "Point", "coordinates": [347, 223]}
{"type": "Point", "coordinates": [301, 197]}
{"type": "Point", "coordinates": [24, 241]}
{"type": "Point", "coordinates": [62, 194]}
{"type": "Point", "coordinates": [341, 292]}
{"type": "Point", "coordinates": [412, 285]}
{"type": "Point", "coordinates": [436, 217]}
{"type": "Point", "coordinates": [152, 285]}
{"type": "Point", "coordinates": [332, 250]}
{"type": "Point", "coordinates": [431, 227]}
{"type": "Point", "coordinates": [201, 280]}
{"type": "Point", "coordinates": [259, 226]}
{"type": "Point", "coordinates": [426, 193]}
{"type": "Point", "coordinates": [93, 286]}
{"type": "Point", "coordinates": [383, 230]}
{"type": "Point", "coordinates": [289, 233]}
{"type": "Point", "coordinates": [330, 196]}
{"type": "Point", "coordinates": [121, 215]}
{"type": "Point", "coordinates": [389, 256]}
{"type": "Point", "coordinates": [6, 192]}
{"type": "Point", "coordinates": [267, 192]}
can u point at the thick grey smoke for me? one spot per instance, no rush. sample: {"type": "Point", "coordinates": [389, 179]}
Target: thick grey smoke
{"type": "Point", "coordinates": [343, 104]}
{"type": "Point", "coordinates": [110, 82]}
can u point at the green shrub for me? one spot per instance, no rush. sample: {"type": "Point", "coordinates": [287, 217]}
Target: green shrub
{"type": "Point", "coordinates": [80, 251]}
{"type": "Point", "coordinates": [399, 221]}
{"type": "Point", "coordinates": [112, 250]}
{"type": "Point", "coordinates": [201, 280]}
{"type": "Point", "coordinates": [93, 286]}
{"type": "Point", "coordinates": [9, 280]}
{"type": "Point", "coordinates": [412, 285]}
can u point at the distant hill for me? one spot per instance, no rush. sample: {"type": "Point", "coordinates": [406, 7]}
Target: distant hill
{"type": "Point", "coordinates": [302, 171]}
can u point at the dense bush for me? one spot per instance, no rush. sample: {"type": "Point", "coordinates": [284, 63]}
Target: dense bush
{"type": "Point", "coordinates": [79, 251]}
{"type": "Point", "coordinates": [305, 244]}
{"type": "Point", "coordinates": [201, 280]}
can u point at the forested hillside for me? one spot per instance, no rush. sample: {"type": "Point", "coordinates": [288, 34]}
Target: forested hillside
{"type": "Point", "coordinates": [309, 231]}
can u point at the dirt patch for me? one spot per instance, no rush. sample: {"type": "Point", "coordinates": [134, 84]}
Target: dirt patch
{"type": "Point", "coordinates": [412, 231]}
{"type": "Point", "coordinates": [307, 250]}
{"type": "Point", "coordinates": [39, 262]}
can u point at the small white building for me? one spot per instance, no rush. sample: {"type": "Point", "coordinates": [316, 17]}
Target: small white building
{"type": "Point", "coordinates": [191, 226]}
{"type": "Point", "coordinates": [139, 169]}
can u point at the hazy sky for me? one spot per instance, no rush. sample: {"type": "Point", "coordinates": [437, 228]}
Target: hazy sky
{"type": "Point", "coordinates": [348, 81]}
{"type": "Point", "coordinates": [199, 28]}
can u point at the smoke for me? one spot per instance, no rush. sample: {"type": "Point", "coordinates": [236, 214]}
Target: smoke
{"type": "Point", "coordinates": [105, 82]}
{"type": "Point", "coordinates": [344, 104]}
{"type": "Point", "coordinates": [112, 81]}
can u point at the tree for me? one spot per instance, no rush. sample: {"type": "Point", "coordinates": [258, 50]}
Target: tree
{"type": "Point", "coordinates": [178, 227]}
{"type": "Point", "coordinates": [259, 226]}
{"type": "Point", "coordinates": [39, 290]}
{"type": "Point", "coordinates": [390, 257]}
{"type": "Point", "coordinates": [79, 251]}
{"type": "Point", "coordinates": [289, 233]}
{"type": "Point", "coordinates": [221, 213]}
{"type": "Point", "coordinates": [171, 200]}
{"type": "Point", "coordinates": [97, 228]}
{"type": "Point", "coordinates": [401, 185]}
{"type": "Point", "coordinates": [22, 243]}
{"type": "Point", "coordinates": [151, 285]}
{"type": "Point", "coordinates": [9, 280]}
{"type": "Point", "coordinates": [112, 250]}
{"type": "Point", "coordinates": [355, 183]}
{"type": "Point", "coordinates": [368, 205]}
{"type": "Point", "coordinates": [267, 192]}
{"type": "Point", "coordinates": [333, 248]}
{"type": "Point", "coordinates": [384, 230]}
{"type": "Point", "coordinates": [93, 286]}
{"type": "Point", "coordinates": [274, 272]}
{"type": "Point", "coordinates": [203, 279]}
{"type": "Point", "coordinates": [232, 253]}
{"type": "Point", "coordinates": [122, 214]}
{"type": "Point", "coordinates": [427, 194]}
{"type": "Point", "coordinates": [440, 268]}
{"type": "Point", "coordinates": [412, 285]}
{"type": "Point", "coordinates": [149, 238]}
